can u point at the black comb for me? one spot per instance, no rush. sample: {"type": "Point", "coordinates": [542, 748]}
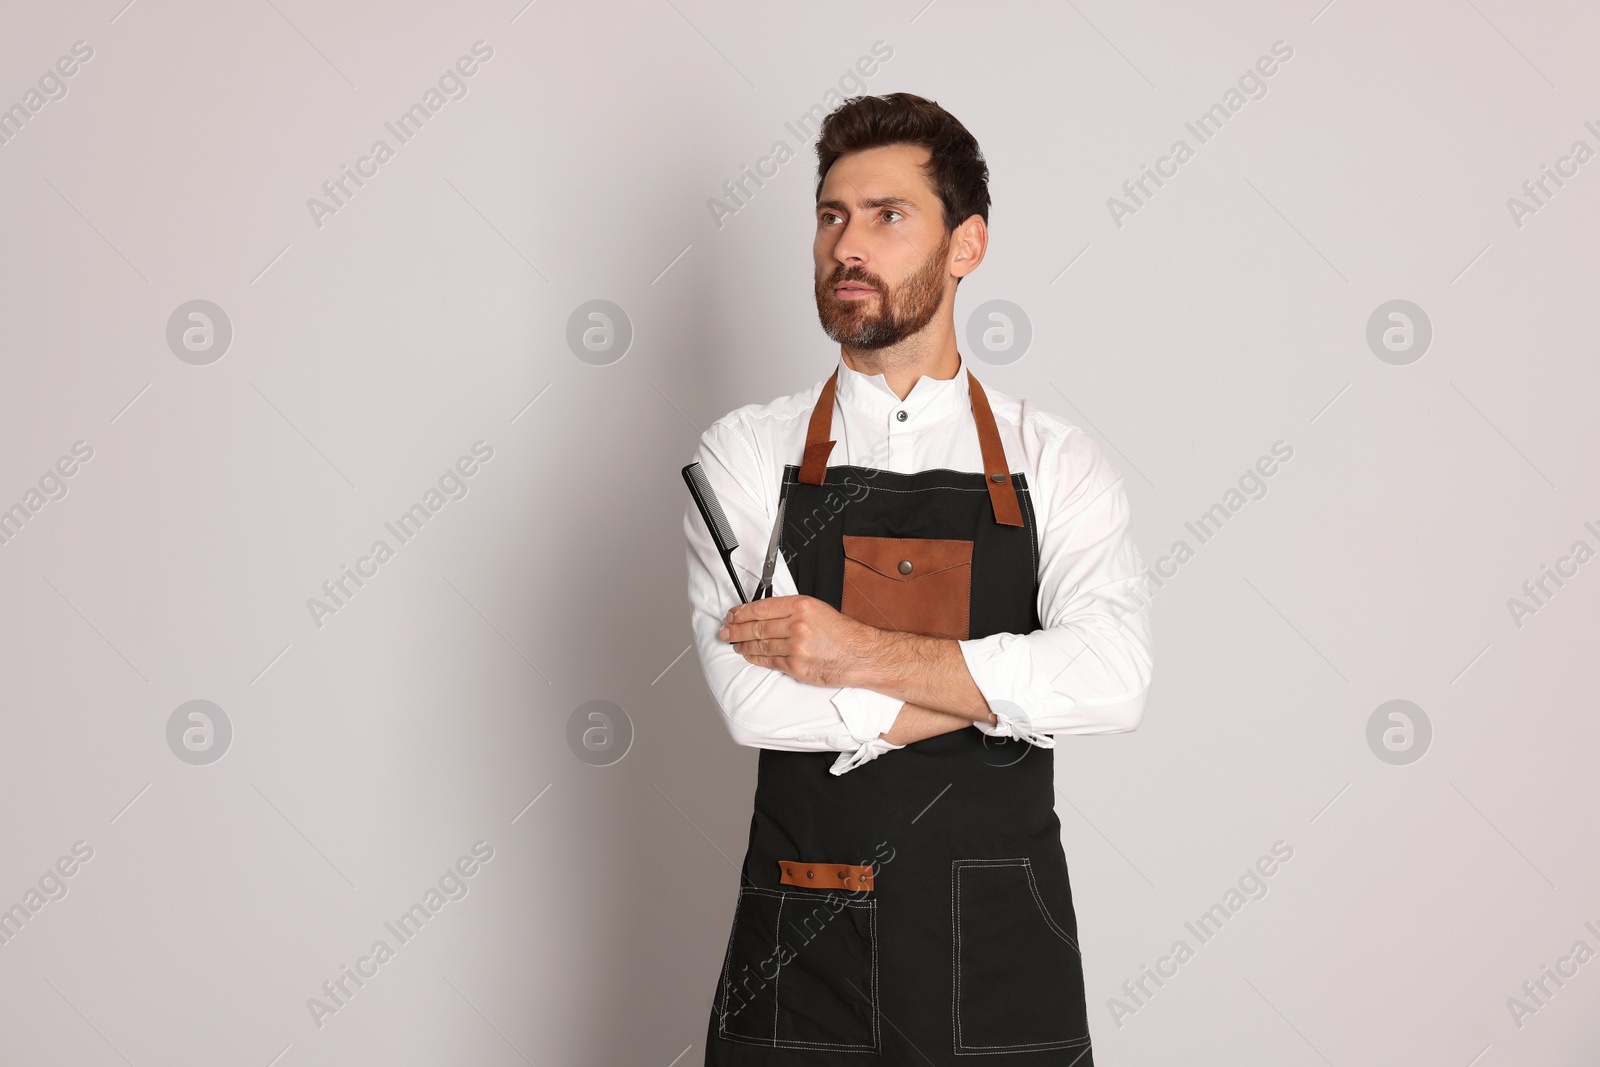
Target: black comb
{"type": "Point", "coordinates": [711, 511]}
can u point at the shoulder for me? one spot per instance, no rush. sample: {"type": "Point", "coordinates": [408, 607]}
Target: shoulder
{"type": "Point", "coordinates": [1057, 448]}
{"type": "Point", "coordinates": [773, 414]}
{"type": "Point", "coordinates": [1040, 430]}
{"type": "Point", "coordinates": [754, 435]}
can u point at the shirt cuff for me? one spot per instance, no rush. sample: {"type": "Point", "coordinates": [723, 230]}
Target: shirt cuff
{"type": "Point", "coordinates": [1014, 724]}
{"type": "Point", "coordinates": [866, 712]}
{"type": "Point", "coordinates": [1000, 666]}
{"type": "Point", "coordinates": [849, 761]}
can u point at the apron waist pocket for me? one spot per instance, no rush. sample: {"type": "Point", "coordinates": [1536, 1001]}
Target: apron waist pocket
{"type": "Point", "coordinates": [801, 972]}
{"type": "Point", "coordinates": [1018, 982]}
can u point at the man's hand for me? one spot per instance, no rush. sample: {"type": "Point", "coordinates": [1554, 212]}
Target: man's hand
{"type": "Point", "coordinates": [803, 637]}
{"type": "Point", "coordinates": [810, 641]}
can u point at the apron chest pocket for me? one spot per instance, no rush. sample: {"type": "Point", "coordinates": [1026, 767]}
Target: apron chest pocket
{"type": "Point", "coordinates": [912, 584]}
{"type": "Point", "coordinates": [801, 971]}
{"type": "Point", "coordinates": [1018, 974]}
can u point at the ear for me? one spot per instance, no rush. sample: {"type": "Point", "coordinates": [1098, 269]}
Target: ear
{"type": "Point", "coordinates": [968, 242]}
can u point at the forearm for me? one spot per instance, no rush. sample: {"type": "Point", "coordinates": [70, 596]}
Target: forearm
{"type": "Point", "coordinates": [915, 723]}
{"type": "Point", "coordinates": [764, 708]}
{"type": "Point", "coordinates": [928, 672]}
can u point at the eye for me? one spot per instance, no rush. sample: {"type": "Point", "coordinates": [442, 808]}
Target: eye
{"type": "Point", "coordinates": [825, 216]}
{"type": "Point", "coordinates": [891, 211]}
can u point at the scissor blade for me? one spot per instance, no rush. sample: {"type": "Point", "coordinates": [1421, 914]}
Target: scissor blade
{"type": "Point", "coordinates": [771, 564]}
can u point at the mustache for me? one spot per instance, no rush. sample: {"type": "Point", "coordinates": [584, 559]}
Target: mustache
{"type": "Point", "coordinates": [854, 274]}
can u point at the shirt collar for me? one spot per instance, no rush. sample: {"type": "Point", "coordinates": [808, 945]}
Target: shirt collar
{"type": "Point", "coordinates": [929, 399]}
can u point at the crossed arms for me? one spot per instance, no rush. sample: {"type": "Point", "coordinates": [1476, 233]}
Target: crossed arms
{"type": "Point", "coordinates": [792, 673]}
{"type": "Point", "coordinates": [809, 641]}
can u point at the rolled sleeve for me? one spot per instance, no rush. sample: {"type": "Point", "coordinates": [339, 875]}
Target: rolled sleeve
{"type": "Point", "coordinates": [762, 707]}
{"type": "Point", "coordinates": [849, 761]}
{"type": "Point", "coordinates": [1001, 665]}
{"type": "Point", "coordinates": [1088, 669]}
{"type": "Point", "coordinates": [866, 712]}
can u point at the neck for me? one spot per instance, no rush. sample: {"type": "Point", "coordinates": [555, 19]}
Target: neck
{"type": "Point", "coordinates": [930, 351]}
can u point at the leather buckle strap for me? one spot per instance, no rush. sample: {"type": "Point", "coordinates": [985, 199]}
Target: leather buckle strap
{"type": "Point", "coordinates": [996, 475]}
{"type": "Point", "coordinates": [826, 875]}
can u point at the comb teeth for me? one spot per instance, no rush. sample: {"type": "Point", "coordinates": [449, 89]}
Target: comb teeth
{"type": "Point", "coordinates": [721, 532]}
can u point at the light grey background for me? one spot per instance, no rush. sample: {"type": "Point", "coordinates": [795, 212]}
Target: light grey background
{"type": "Point", "coordinates": [431, 311]}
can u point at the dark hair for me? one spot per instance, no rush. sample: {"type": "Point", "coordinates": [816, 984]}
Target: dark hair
{"type": "Point", "coordinates": [955, 165]}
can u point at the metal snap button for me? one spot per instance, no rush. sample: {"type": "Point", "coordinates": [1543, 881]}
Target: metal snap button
{"type": "Point", "coordinates": [811, 874]}
{"type": "Point", "coordinates": [905, 566]}
{"type": "Point", "coordinates": [997, 477]}
{"type": "Point", "coordinates": [901, 415]}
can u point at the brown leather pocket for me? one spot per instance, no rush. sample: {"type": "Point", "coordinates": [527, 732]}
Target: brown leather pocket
{"type": "Point", "coordinates": [913, 584]}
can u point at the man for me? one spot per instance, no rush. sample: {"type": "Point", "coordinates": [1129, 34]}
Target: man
{"type": "Point", "coordinates": [955, 585]}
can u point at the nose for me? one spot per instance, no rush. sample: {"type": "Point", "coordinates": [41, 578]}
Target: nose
{"type": "Point", "coordinates": [849, 248]}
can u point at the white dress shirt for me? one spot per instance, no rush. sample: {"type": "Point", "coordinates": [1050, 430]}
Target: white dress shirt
{"type": "Point", "coordinates": [1086, 672]}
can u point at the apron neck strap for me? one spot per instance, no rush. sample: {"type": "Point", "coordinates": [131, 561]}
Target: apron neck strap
{"type": "Point", "coordinates": [1002, 494]}
{"type": "Point", "coordinates": [814, 464]}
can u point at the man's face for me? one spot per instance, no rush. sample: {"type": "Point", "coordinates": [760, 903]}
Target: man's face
{"type": "Point", "coordinates": [881, 248]}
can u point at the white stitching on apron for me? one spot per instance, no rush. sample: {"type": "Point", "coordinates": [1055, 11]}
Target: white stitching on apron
{"type": "Point", "coordinates": [871, 907]}
{"type": "Point", "coordinates": [1026, 864]}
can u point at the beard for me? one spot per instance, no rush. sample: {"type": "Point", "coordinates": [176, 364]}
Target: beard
{"type": "Point", "coordinates": [891, 316]}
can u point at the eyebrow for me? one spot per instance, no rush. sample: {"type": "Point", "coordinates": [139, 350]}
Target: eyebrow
{"type": "Point", "coordinates": [877, 201]}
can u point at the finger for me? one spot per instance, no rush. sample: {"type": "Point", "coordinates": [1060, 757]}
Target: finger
{"type": "Point", "coordinates": [763, 648]}
{"type": "Point", "coordinates": [772, 607]}
{"type": "Point", "coordinates": [759, 630]}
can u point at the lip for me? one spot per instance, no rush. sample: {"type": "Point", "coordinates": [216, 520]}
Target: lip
{"type": "Point", "coordinates": [853, 291]}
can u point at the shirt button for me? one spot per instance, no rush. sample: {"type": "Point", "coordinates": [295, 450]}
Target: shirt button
{"type": "Point", "coordinates": [901, 415]}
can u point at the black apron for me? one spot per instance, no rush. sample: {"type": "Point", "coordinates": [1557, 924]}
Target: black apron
{"type": "Point", "coordinates": [916, 909]}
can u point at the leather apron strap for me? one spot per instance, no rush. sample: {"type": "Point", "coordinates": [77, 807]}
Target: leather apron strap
{"type": "Point", "coordinates": [1002, 494]}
